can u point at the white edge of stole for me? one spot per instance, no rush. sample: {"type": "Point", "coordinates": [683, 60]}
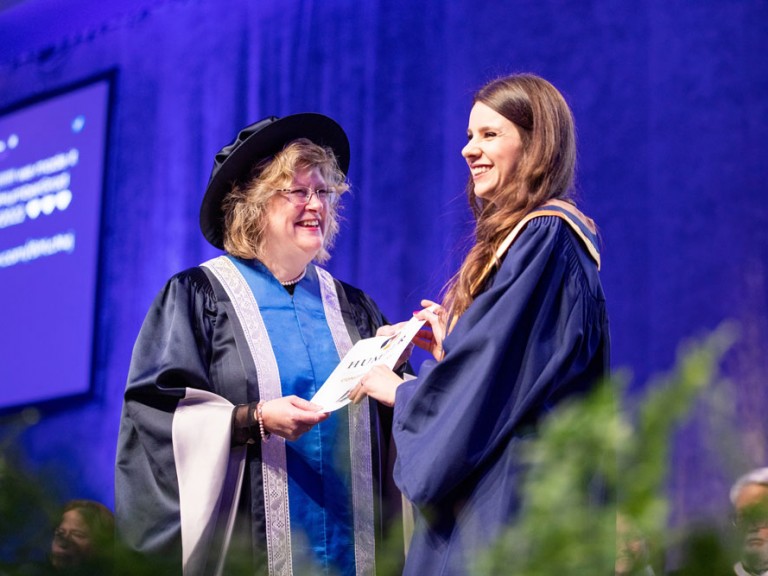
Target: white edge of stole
{"type": "Point", "coordinates": [739, 570]}
{"type": "Point", "coordinates": [359, 438]}
{"type": "Point", "coordinates": [273, 456]}
{"type": "Point", "coordinates": [201, 442]}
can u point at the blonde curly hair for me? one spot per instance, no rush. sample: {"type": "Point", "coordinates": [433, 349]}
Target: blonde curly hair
{"type": "Point", "coordinates": [245, 207]}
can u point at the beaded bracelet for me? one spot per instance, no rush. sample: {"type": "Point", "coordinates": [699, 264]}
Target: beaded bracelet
{"type": "Point", "coordinates": [264, 434]}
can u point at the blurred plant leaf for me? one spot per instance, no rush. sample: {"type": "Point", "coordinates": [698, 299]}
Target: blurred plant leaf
{"type": "Point", "coordinates": [596, 463]}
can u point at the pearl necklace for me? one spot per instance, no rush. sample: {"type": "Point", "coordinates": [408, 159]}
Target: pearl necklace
{"type": "Point", "coordinates": [295, 280]}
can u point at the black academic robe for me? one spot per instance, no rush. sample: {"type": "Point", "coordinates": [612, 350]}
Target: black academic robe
{"type": "Point", "coordinates": [193, 351]}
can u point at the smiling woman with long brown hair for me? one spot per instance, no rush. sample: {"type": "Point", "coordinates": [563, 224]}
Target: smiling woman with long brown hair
{"type": "Point", "coordinates": [522, 326]}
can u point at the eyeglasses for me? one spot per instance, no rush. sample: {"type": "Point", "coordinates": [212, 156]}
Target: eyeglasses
{"type": "Point", "coordinates": [302, 196]}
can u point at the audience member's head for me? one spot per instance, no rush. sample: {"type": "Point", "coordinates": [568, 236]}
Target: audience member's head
{"type": "Point", "coordinates": [749, 496]}
{"type": "Point", "coordinates": [632, 556]}
{"type": "Point", "coordinates": [84, 537]}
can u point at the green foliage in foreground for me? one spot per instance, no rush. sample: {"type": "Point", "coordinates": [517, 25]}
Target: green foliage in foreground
{"type": "Point", "coordinates": [596, 466]}
{"type": "Point", "coordinates": [592, 463]}
{"type": "Point", "coordinates": [26, 503]}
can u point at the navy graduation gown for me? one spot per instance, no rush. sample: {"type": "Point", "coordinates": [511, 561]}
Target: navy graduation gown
{"type": "Point", "coordinates": [538, 333]}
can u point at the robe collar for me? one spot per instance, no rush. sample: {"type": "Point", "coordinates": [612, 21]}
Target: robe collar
{"type": "Point", "coordinates": [583, 226]}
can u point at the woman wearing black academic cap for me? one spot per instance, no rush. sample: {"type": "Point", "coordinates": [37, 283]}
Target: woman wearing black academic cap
{"type": "Point", "coordinates": [220, 450]}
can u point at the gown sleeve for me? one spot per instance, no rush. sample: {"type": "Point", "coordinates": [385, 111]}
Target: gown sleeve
{"type": "Point", "coordinates": [533, 336]}
{"type": "Point", "coordinates": [172, 353]}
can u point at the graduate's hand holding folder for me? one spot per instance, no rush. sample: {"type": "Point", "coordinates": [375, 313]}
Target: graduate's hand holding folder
{"type": "Point", "coordinates": [364, 355]}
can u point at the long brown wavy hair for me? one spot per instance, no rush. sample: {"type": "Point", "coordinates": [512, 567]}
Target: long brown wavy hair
{"type": "Point", "coordinates": [544, 172]}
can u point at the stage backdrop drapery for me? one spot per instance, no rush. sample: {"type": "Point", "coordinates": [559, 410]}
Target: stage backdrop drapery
{"type": "Point", "coordinates": [671, 104]}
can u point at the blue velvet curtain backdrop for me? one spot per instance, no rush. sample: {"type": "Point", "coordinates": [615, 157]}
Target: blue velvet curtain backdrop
{"type": "Point", "coordinates": [671, 103]}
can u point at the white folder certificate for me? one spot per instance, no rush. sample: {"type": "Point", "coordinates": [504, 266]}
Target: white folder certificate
{"type": "Point", "coordinates": [365, 354]}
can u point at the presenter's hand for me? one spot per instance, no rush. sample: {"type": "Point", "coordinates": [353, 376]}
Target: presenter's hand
{"type": "Point", "coordinates": [391, 330]}
{"type": "Point", "coordinates": [290, 416]}
{"type": "Point", "coordinates": [432, 340]}
{"type": "Point", "coordinates": [380, 383]}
